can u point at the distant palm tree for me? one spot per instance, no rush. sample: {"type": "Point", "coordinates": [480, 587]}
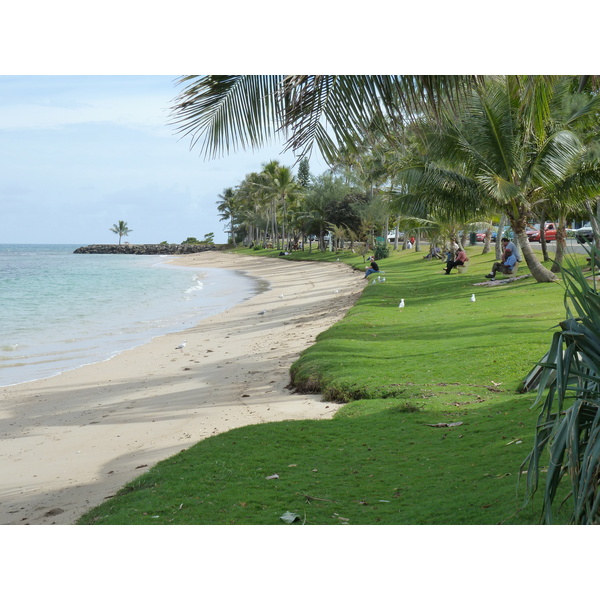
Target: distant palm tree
{"type": "Point", "coordinates": [121, 229]}
{"type": "Point", "coordinates": [228, 208]}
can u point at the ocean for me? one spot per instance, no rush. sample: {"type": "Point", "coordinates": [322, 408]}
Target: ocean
{"type": "Point", "coordinates": [59, 310]}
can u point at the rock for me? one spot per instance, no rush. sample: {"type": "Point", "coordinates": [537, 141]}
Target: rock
{"type": "Point", "coordinates": [145, 248]}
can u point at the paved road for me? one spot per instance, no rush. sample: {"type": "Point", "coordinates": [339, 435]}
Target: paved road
{"type": "Point", "coordinates": [572, 246]}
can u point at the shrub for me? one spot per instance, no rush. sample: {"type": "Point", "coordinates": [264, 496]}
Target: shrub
{"type": "Point", "coordinates": [381, 251]}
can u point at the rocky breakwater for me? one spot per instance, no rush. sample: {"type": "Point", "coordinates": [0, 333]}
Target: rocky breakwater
{"type": "Point", "coordinates": [145, 248]}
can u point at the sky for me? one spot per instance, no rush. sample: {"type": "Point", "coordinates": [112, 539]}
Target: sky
{"type": "Point", "coordinates": [85, 139]}
{"type": "Point", "coordinates": [78, 153]}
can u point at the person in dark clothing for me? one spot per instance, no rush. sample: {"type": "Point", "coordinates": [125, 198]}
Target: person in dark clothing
{"type": "Point", "coordinates": [461, 259]}
{"type": "Point", "coordinates": [374, 268]}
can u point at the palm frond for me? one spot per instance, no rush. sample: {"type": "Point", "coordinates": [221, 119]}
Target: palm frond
{"type": "Point", "coordinates": [231, 111]}
{"type": "Point", "coordinates": [228, 112]}
{"type": "Point", "coordinates": [556, 158]}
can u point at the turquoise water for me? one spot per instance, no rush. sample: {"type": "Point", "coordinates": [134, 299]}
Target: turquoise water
{"type": "Point", "coordinates": [60, 310]}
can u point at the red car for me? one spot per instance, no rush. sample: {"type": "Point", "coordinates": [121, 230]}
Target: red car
{"type": "Point", "coordinates": [549, 233]}
{"type": "Point", "coordinates": [481, 236]}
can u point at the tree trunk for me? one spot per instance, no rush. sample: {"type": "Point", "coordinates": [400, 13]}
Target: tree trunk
{"type": "Point", "coordinates": [538, 271]}
{"type": "Point", "coordinates": [561, 244]}
{"type": "Point", "coordinates": [543, 236]}
{"type": "Point", "coordinates": [594, 220]}
{"type": "Point", "coordinates": [500, 235]}
{"type": "Point", "coordinates": [486, 241]}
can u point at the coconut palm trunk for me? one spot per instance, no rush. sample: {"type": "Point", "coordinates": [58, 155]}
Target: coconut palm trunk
{"type": "Point", "coordinates": [538, 271]}
{"type": "Point", "coordinates": [561, 244]}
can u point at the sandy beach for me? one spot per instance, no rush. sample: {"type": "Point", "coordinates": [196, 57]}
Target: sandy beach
{"type": "Point", "coordinates": [70, 441]}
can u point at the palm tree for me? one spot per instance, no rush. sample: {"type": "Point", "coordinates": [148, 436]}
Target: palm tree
{"type": "Point", "coordinates": [281, 185]}
{"type": "Point", "coordinates": [508, 152]}
{"type": "Point", "coordinates": [228, 208]}
{"type": "Point", "coordinates": [121, 229]}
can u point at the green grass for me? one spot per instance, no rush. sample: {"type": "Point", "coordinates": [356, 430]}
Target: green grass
{"type": "Point", "coordinates": [441, 359]}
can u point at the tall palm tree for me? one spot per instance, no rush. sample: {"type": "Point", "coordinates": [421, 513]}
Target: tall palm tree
{"type": "Point", "coordinates": [281, 185]}
{"type": "Point", "coordinates": [228, 208]}
{"type": "Point", "coordinates": [121, 229]}
{"type": "Point", "coordinates": [254, 206]}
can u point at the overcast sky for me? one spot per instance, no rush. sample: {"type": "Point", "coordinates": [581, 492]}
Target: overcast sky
{"type": "Point", "coordinates": [80, 153]}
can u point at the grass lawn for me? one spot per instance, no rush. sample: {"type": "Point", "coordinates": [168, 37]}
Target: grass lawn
{"type": "Point", "coordinates": [383, 459]}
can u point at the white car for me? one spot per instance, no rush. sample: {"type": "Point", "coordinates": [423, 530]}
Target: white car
{"type": "Point", "coordinates": [585, 234]}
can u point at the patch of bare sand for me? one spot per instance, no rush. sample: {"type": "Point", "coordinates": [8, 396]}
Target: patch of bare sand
{"type": "Point", "coordinates": [70, 441]}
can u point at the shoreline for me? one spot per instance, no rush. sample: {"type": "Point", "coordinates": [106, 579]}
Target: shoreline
{"type": "Point", "coordinates": [74, 439]}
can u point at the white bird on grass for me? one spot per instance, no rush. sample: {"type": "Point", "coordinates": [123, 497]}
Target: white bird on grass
{"type": "Point", "coordinates": [401, 305]}
{"type": "Point", "coordinates": [473, 298]}
{"type": "Point", "coordinates": [181, 346]}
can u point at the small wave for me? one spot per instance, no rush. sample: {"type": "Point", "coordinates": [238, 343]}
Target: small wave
{"type": "Point", "coordinates": [9, 347]}
{"type": "Point", "coordinates": [197, 286]}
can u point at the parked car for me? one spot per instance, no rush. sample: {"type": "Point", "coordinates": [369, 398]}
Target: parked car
{"type": "Point", "coordinates": [480, 236]}
{"type": "Point", "coordinates": [584, 234]}
{"type": "Point", "coordinates": [549, 233]}
{"type": "Point", "coordinates": [532, 231]}
{"type": "Point", "coordinates": [392, 236]}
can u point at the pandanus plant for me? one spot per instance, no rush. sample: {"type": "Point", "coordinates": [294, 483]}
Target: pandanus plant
{"type": "Point", "coordinates": [568, 427]}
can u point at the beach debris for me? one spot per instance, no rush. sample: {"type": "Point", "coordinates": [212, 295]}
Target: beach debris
{"type": "Point", "coordinates": [472, 297]}
{"type": "Point", "coordinates": [274, 476]}
{"type": "Point", "coordinates": [309, 498]}
{"type": "Point", "coordinates": [336, 292]}
{"type": "Point", "coordinates": [401, 305]}
{"type": "Point", "coordinates": [181, 346]}
{"type": "Point", "coordinates": [289, 517]}
{"type": "Point", "coordinates": [445, 424]}
{"type": "Point", "coordinates": [517, 441]}
{"type": "Point", "coordinates": [281, 295]}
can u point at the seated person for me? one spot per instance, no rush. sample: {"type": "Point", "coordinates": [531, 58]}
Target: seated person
{"type": "Point", "coordinates": [461, 259]}
{"type": "Point", "coordinates": [506, 243]}
{"type": "Point", "coordinates": [505, 267]}
{"type": "Point", "coordinates": [434, 252]}
{"type": "Point", "coordinates": [374, 268]}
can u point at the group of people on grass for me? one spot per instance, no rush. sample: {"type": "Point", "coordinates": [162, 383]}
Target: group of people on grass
{"type": "Point", "coordinates": [457, 257]}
